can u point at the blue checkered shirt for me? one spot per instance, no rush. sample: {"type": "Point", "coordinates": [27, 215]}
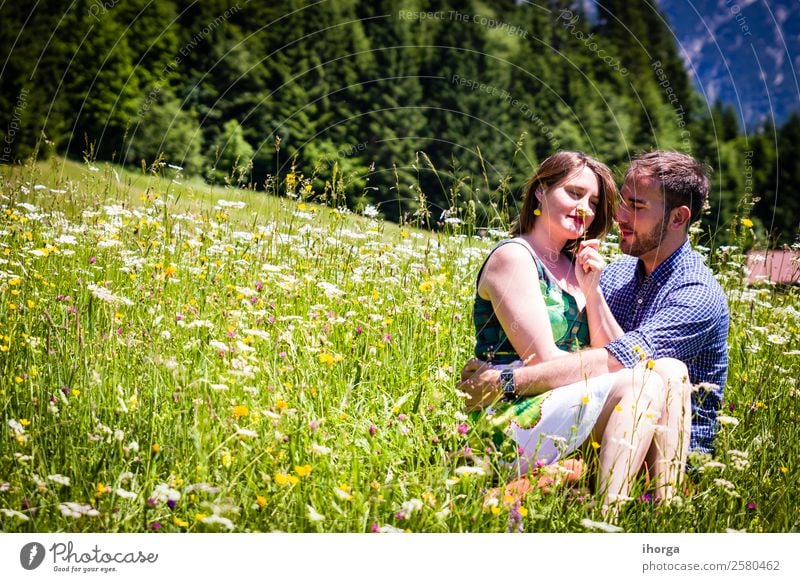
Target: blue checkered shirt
{"type": "Point", "coordinates": [680, 312]}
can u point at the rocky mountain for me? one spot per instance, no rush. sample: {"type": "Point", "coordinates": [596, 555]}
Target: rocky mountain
{"type": "Point", "coordinates": [745, 53]}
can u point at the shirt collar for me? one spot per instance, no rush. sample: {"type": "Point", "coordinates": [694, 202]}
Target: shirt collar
{"type": "Point", "coordinates": [665, 269]}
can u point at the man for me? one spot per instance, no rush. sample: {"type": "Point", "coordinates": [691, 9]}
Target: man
{"type": "Point", "coordinates": [665, 300]}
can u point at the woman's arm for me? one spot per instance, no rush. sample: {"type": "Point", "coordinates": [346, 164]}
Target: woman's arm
{"type": "Point", "coordinates": [511, 283]}
{"type": "Point", "coordinates": [589, 264]}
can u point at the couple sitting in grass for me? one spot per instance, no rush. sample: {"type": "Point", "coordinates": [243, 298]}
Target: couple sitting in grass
{"type": "Point", "coordinates": [570, 354]}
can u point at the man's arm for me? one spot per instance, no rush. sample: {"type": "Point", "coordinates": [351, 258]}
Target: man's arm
{"type": "Point", "coordinates": [481, 382]}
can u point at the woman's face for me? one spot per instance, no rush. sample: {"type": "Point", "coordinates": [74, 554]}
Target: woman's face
{"type": "Point", "coordinates": [571, 204]}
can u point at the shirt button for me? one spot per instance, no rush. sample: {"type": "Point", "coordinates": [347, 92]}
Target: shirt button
{"type": "Point", "coordinates": [639, 301]}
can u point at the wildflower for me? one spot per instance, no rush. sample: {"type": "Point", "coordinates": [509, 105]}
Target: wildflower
{"type": "Point", "coordinates": [59, 479]}
{"type": "Point", "coordinates": [100, 489]}
{"type": "Point", "coordinates": [727, 420]}
{"type": "Point", "coordinates": [463, 428]}
{"type": "Point", "coordinates": [726, 486]}
{"type": "Point", "coordinates": [104, 294]}
{"type": "Point", "coordinates": [123, 493]}
{"type": "Point", "coordinates": [600, 526]}
{"type": "Point", "coordinates": [343, 492]}
{"type": "Point", "coordinates": [302, 470]}
{"type": "Point", "coordinates": [156, 448]}
{"type": "Point", "coordinates": [752, 505]}
{"type": "Point", "coordinates": [179, 522]}
{"type": "Point", "coordinates": [320, 449]}
{"type": "Point", "coordinates": [784, 470]}
{"type": "Point", "coordinates": [239, 411]}
{"type": "Point", "coordinates": [739, 459]}
{"type": "Point", "coordinates": [746, 222]}
{"type": "Point", "coordinates": [164, 493]}
{"type": "Point", "coordinates": [313, 514]}
{"type": "Point", "coordinates": [13, 513]}
{"type": "Point", "coordinates": [261, 501]}
{"type": "Point", "coordinates": [372, 429]}
{"type": "Point", "coordinates": [216, 520]}
{"type": "Point", "coordinates": [285, 479]}
{"type": "Point", "coordinates": [246, 433]}
{"type": "Point", "coordinates": [77, 510]}
{"type": "Point", "coordinates": [467, 470]}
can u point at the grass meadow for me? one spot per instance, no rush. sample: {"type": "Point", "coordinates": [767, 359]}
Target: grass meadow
{"type": "Point", "coordinates": [176, 357]}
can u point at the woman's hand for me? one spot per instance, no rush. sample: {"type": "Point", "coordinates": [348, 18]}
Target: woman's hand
{"type": "Point", "coordinates": [480, 383]}
{"type": "Point", "coordinates": [589, 264]}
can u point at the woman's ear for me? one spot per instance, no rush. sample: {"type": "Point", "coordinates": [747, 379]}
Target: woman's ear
{"type": "Point", "coordinates": [538, 193]}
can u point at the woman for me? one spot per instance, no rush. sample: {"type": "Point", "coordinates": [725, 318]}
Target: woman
{"type": "Point", "coordinates": [536, 295]}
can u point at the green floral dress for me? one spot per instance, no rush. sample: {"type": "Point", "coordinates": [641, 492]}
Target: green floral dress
{"type": "Point", "coordinates": [542, 428]}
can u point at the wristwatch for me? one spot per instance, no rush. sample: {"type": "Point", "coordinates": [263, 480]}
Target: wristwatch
{"type": "Point", "coordinates": [509, 385]}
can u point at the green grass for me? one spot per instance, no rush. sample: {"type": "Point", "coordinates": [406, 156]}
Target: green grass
{"type": "Point", "coordinates": [187, 365]}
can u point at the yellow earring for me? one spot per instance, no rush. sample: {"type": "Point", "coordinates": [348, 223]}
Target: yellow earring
{"type": "Point", "coordinates": [537, 212]}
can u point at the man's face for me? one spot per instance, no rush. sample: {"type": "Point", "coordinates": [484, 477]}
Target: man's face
{"type": "Point", "coordinates": [641, 217]}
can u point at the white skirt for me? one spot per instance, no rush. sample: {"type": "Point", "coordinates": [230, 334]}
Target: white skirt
{"type": "Point", "coordinates": [549, 426]}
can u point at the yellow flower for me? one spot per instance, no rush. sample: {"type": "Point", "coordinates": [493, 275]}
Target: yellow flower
{"type": "Point", "coordinates": [227, 459]}
{"type": "Point", "coordinates": [326, 358]}
{"type": "Point", "coordinates": [284, 479]}
{"type": "Point", "coordinates": [618, 408]}
{"type": "Point", "coordinates": [595, 445]}
{"type": "Point", "coordinates": [156, 448]}
{"type": "Point", "coordinates": [199, 516]}
{"type": "Point", "coordinates": [585, 400]}
{"type": "Point", "coordinates": [99, 489]}
{"type": "Point", "coordinates": [281, 405]}
{"type": "Point", "coordinates": [746, 222]}
{"type": "Point", "coordinates": [170, 271]}
{"type": "Point", "coordinates": [15, 281]}
{"type": "Point", "coordinates": [784, 470]}
{"type": "Point", "coordinates": [523, 511]}
{"type": "Point", "coordinates": [650, 364]}
{"type": "Point", "coordinates": [30, 303]}
{"type": "Point", "coordinates": [495, 510]}
{"type": "Point", "coordinates": [24, 421]}
{"type": "Point", "coordinates": [239, 411]}
{"type": "Point", "coordinates": [261, 501]}
{"type": "Point", "coordinates": [302, 470]}
{"type": "Point", "coordinates": [180, 522]}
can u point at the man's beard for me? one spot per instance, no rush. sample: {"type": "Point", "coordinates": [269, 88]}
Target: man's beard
{"type": "Point", "coordinates": [644, 243]}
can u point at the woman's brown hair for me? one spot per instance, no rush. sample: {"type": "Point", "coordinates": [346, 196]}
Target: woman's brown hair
{"type": "Point", "coordinates": [553, 171]}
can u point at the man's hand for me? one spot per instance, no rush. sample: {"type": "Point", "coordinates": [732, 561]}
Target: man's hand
{"type": "Point", "coordinates": [480, 382]}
